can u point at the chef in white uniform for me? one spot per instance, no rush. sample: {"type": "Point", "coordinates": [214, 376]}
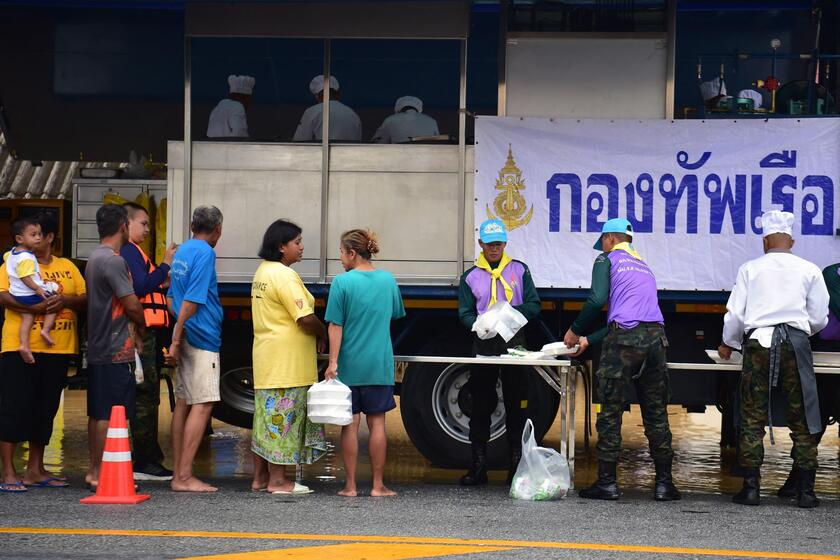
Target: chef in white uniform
{"type": "Point", "coordinates": [407, 122]}
{"type": "Point", "coordinates": [344, 122]}
{"type": "Point", "coordinates": [228, 118]}
{"type": "Point", "coordinates": [779, 300]}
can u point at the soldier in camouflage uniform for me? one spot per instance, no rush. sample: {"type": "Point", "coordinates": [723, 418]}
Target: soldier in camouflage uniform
{"type": "Point", "coordinates": [632, 356]}
{"type": "Point", "coordinates": [828, 385]}
{"type": "Point", "coordinates": [754, 396]}
{"type": "Point", "coordinates": [772, 325]}
{"type": "Point", "coordinates": [147, 280]}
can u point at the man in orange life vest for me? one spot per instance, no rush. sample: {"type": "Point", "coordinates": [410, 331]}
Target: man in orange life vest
{"type": "Point", "coordinates": [147, 280]}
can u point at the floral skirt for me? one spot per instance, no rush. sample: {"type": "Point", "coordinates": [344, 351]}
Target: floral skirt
{"type": "Point", "coordinates": [282, 433]}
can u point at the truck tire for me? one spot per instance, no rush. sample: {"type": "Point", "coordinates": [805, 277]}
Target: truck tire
{"type": "Point", "coordinates": [236, 407]}
{"type": "Point", "coordinates": [435, 410]}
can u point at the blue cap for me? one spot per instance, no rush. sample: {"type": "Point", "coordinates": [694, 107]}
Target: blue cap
{"type": "Point", "coordinates": [492, 231]}
{"type": "Point", "coordinates": [616, 225]}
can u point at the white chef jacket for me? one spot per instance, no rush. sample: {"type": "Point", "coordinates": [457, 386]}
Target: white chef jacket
{"type": "Point", "coordinates": [401, 127]}
{"type": "Point", "coordinates": [777, 288]}
{"type": "Point", "coordinates": [344, 123]}
{"type": "Point", "coordinates": [228, 120]}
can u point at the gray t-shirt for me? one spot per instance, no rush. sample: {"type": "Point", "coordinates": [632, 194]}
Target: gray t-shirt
{"type": "Point", "coordinates": [110, 339]}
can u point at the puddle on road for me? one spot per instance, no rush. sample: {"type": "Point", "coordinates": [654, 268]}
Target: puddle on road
{"type": "Point", "coordinates": [700, 464]}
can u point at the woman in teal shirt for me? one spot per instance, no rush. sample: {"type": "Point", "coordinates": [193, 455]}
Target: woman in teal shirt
{"type": "Point", "coordinates": [362, 303]}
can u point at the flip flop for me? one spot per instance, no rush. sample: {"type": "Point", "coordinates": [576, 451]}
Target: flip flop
{"type": "Point", "coordinates": [298, 489]}
{"type": "Point", "coordinates": [13, 487]}
{"type": "Point", "coordinates": [48, 483]}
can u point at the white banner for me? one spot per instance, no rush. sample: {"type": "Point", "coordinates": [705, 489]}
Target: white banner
{"type": "Point", "coordinates": [693, 190]}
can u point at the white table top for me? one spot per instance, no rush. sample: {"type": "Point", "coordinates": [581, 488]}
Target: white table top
{"type": "Point", "coordinates": [489, 360]}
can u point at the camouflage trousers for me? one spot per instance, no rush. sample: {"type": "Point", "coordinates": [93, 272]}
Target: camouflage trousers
{"type": "Point", "coordinates": [634, 358]}
{"type": "Point", "coordinates": [144, 427]}
{"type": "Point", "coordinates": [754, 396]}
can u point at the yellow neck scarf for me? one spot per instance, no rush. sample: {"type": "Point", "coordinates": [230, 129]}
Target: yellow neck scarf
{"type": "Point", "coordinates": [625, 246]}
{"type": "Point", "coordinates": [496, 274]}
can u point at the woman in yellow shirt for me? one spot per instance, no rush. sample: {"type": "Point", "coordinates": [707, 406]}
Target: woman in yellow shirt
{"type": "Point", "coordinates": [287, 335]}
{"type": "Point", "coordinates": [31, 392]}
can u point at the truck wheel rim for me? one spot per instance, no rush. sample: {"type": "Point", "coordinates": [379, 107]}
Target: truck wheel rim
{"type": "Point", "coordinates": [446, 399]}
{"type": "Point", "coordinates": [236, 388]}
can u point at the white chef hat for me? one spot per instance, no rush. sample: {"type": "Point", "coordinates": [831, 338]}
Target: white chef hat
{"type": "Point", "coordinates": [751, 94]}
{"type": "Point", "coordinates": [241, 84]}
{"type": "Point", "coordinates": [776, 221]}
{"type": "Point", "coordinates": [712, 88]}
{"type": "Point", "coordinates": [316, 86]}
{"type": "Point", "coordinates": [408, 101]}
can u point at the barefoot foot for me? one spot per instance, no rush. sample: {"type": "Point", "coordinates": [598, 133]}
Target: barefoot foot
{"type": "Point", "coordinates": [47, 338]}
{"type": "Point", "coordinates": [27, 356]}
{"type": "Point", "coordinates": [381, 492]}
{"type": "Point", "coordinates": [348, 492]}
{"type": "Point", "coordinates": [259, 484]}
{"type": "Point", "coordinates": [191, 484]}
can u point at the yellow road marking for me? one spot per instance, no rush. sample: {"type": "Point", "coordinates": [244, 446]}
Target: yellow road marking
{"type": "Point", "coordinates": [355, 551]}
{"type": "Point", "coordinates": [733, 553]}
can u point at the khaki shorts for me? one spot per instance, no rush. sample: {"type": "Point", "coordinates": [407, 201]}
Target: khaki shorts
{"type": "Point", "coordinates": [197, 379]}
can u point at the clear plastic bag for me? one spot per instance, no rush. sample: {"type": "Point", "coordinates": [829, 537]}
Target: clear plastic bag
{"type": "Point", "coordinates": [542, 474]}
{"type": "Point", "coordinates": [329, 402]}
{"type": "Point", "coordinates": [138, 368]}
{"type": "Point", "coordinates": [500, 318]}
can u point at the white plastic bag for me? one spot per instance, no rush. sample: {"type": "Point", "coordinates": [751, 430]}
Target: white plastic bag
{"type": "Point", "coordinates": [329, 402]}
{"type": "Point", "coordinates": [500, 318]}
{"type": "Point", "coordinates": [138, 368]}
{"type": "Point", "coordinates": [542, 474]}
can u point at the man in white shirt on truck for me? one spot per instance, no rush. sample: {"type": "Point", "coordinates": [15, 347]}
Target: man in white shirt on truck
{"type": "Point", "coordinates": [345, 124]}
{"type": "Point", "coordinates": [229, 119]}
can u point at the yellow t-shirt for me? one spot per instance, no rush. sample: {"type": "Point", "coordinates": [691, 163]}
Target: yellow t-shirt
{"type": "Point", "coordinates": [65, 333]}
{"type": "Point", "coordinates": [284, 355]}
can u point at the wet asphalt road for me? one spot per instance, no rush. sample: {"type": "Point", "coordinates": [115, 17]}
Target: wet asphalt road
{"type": "Point", "coordinates": [486, 523]}
{"type": "Point", "coordinates": [699, 521]}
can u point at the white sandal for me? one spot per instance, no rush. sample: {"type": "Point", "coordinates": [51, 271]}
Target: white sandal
{"type": "Point", "coordinates": [298, 489]}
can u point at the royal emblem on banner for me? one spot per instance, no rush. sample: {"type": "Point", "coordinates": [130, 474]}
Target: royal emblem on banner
{"type": "Point", "coordinates": [510, 205]}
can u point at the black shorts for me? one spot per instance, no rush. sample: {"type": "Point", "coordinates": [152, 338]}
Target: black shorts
{"type": "Point", "coordinates": [110, 385]}
{"type": "Point", "coordinates": [373, 399]}
{"type": "Point", "coordinates": [30, 395]}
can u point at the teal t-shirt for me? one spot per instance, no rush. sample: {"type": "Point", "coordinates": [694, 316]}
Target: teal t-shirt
{"type": "Point", "coordinates": [364, 303]}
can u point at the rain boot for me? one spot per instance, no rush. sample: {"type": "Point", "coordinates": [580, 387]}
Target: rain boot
{"type": "Point", "coordinates": [606, 487]}
{"type": "Point", "coordinates": [664, 489]}
{"type": "Point", "coordinates": [791, 486]}
{"type": "Point", "coordinates": [515, 456]}
{"type": "Point", "coordinates": [477, 475]}
{"type": "Point", "coordinates": [750, 493]}
{"type": "Point", "coordinates": [806, 497]}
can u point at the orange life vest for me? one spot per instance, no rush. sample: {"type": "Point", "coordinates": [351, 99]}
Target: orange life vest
{"type": "Point", "coordinates": [154, 303]}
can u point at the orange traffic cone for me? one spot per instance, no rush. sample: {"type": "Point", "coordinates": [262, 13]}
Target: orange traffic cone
{"type": "Point", "coordinates": [116, 474]}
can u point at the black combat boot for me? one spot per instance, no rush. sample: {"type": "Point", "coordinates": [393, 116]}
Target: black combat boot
{"type": "Point", "coordinates": [664, 489]}
{"type": "Point", "coordinates": [791, 486]}
{"type": "Point", "coordinates": [750, 493]}
{"type": "Point", "coordinates": [806, 497]}
{"type": "Point", "coordinates": [515, 456]}
{"type": "Point", "coordinates": [477, 475]}
{"type": "Point", "coordinates": [606, 487]}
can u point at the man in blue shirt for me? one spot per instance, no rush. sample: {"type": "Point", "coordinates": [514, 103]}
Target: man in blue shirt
{"type": "Point", "coordinates": [194, 298]}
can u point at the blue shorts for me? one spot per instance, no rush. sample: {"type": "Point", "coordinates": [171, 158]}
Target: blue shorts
{"type": "Point", "coordinates": [373, 399]}
{"type": "Point", "coordinates": [34, 299]}
{"type": "Point", "coordinates": [110, 385]}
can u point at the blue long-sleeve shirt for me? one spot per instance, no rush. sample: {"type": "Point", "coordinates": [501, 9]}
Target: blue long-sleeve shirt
{"type": "Point", "coordinates": [144, 282]}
